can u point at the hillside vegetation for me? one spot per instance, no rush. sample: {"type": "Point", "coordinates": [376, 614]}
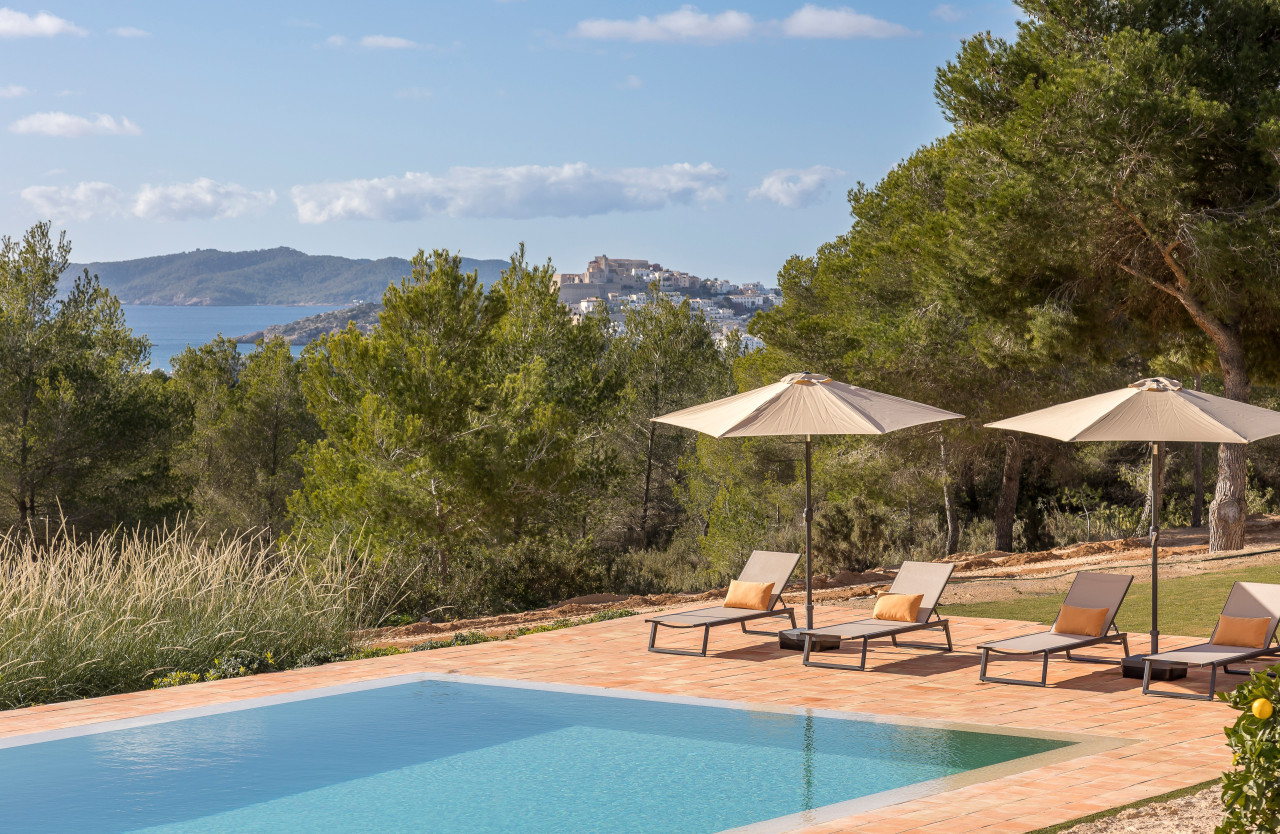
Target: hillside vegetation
{"type": "Point", "coordinates": [304, 331]}
{"type": "Point", "coordinates": [211, 277]}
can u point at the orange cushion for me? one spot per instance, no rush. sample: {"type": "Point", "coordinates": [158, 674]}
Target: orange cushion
{"type": "Point", "coordinates": [903, 608]}
{"type": "Point", "coordinates": [1087, 621]}
{"type": "Point", "coordinates": [1244, 632]}
{"type": "Point", "coordinates": [753, 595]}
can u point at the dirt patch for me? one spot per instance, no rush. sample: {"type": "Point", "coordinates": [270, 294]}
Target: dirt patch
{"type": "Point", "coordinates": [595, 599]}
{"type": "Point", "coordinates": [846, 578]}
{"type": "Point", "coordinates": [1198, 813]}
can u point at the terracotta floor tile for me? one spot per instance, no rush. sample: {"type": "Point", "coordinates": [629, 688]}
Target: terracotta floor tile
{"type": "Point", "coordinates": [1174, 743]}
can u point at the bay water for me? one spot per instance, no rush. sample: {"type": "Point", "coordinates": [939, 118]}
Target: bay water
{"type": "Point", "coordinates": [172, 329]}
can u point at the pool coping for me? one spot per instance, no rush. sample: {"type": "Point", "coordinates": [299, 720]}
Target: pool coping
{"type": "Point", "coordinates": [1078, 744]}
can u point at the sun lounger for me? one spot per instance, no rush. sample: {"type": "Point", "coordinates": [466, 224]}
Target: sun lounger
{"type": "Point", "coordinates": [925, 578]}
{"type": "Point", "coordinates": [1246, 600]}
{"type": "Point", "coordinates": [763, 566]}
{"type": "Point", "coordinates": [1088, 590]}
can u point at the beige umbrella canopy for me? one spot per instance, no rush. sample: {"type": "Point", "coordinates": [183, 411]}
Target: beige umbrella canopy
{"type": "Point", "coordinates": [1156, 411]}
{"type": "Point", "coordinates": [806, 404]}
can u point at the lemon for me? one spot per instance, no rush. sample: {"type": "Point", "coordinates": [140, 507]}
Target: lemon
{"type": "Point", "coordinates": [1262, 709]}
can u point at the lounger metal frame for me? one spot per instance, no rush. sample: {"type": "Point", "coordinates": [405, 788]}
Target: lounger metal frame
{"type": "Point", "coordinates": [1263, 606]}
{"type": "Point", "coordinates": [1213, 675]}
{"type": "Point", "coordinates": [891, 632]}
{"type": "Point", "coordinates": [1118, 637]}
{"type": "Point", "coordinates": [1106, 637]}
{"type": "Point", "coordinates": [762, 566]}
{"type": "Point", "coordinates": [707, 626]}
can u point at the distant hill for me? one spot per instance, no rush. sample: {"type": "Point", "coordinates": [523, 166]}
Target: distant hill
{"type": "Point", "coordinates": [210, 277]}
{"type": "Point", "coordinates": [307, 330]}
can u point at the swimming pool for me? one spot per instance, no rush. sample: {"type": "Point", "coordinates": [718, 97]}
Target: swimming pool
{"type": "Point", "coordinates": [437, 753]}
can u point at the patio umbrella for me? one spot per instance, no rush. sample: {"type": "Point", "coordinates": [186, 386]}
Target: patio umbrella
{"type": "Point", "coordinates": [1156, 411]}
{"type": "Point", "coordinates": [805, 404]}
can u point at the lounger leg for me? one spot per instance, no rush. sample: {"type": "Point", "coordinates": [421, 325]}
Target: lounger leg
{"type": "Point", "coordinates": [653, 639]}
{"type": "Point", "coordinates": [822, 664]}
{"type": "Point", "coordinates": [1122, 638]}
{"type": "Point", "coordinates": [894, 639]}
{"type": "Point", "coordinates": [788, 613]}
{"type": "Point", "coordinates": [984, 677]}
{"type": "Point", "coordinates": [944, 624]}
{"type": "Point", "coordinates": [1231, 671]}
{"type": "Point", "coordinates": [1147, 690]}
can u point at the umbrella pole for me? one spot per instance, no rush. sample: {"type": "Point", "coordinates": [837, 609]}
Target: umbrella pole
{"type": "Point", "coordinates": [1157, 476]}
{"type": "Point", "coordinates": [808, 531]}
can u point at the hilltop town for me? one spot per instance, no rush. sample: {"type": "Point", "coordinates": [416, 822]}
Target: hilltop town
{"type": "Point", "coordinates": [621, 283]}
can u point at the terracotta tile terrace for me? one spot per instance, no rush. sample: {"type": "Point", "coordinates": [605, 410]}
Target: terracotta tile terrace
{"type": "Point", "coordinates": [1174, 743]}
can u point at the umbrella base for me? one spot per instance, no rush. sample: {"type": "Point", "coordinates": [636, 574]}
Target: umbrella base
{"type": "Point", "coordinates": [793, 640]}
{"type": "Point", "coordinates": [1161, 670]}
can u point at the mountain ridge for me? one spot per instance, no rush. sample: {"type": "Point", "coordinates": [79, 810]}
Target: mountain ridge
{"type": "Point", "coordinates": [279, 276]}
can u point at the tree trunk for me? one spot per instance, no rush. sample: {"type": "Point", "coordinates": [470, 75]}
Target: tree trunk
{"type": "Point", "coordinates": [949, 502]}
{"type": "Point", "coordinates": [1228, 510]}
{"type": "Point", "coordinates": [648, 477]}
{"type": "Point", "coordinates": [1007, 504]}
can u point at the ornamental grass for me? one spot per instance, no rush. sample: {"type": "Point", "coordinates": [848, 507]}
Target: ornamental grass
{"type": "Point", "coordinates": [117, 613]}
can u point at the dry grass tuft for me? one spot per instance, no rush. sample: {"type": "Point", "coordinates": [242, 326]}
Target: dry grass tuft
{"type": "Point", "coordinates": [80, 619]}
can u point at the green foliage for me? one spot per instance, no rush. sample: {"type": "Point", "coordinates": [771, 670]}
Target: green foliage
{"type": "Point", "coordinates": [669, 360]}
{"type": "Point", "coordinates": [240, 664]}
{"type": "Point", "coordinates": [1249, 789]}
{"type": "Point", "coordinates": [82, 427]}
{"type": "Point", "coordinates": [175, 679]}
{"type": "Point", "coordinates": [245, 423]}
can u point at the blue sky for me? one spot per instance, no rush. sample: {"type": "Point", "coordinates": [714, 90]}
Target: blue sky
{"type": "Point", "coordinates": [718, 139]}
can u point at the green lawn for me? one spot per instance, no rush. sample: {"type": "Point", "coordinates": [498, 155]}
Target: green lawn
{"type": "Point", "coordinates": [1189, 605]}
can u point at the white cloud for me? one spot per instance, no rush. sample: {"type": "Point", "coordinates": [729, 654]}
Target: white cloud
{"type": "Point", "coordinates": [810, 21]}
{"type": "Point", "coordinates": [631, 82]}
{"type": "Point", "coordinates": [69, 125]}
{"type": "Point", "coordinates": [795, 187]}
{"type": "Point", "coordinates": [414, 92]}
{"type": "Point", "coordinates": [130, 32]}
{"type": "Point", "coordinates": [947, 13]}
{"type": "Point", "coordinates": [386, 42]}
{"type": "Point", "coordinates": [43, 25]}
{"type": "Point", "coordinates": [75, 202]}
{"type": "Point", "coordinates": [203, 199]}
{"type": "Point", "coordinates": [335, 40]}
{"type": "Point", "coordinates": [691, 25]}
{"type": "Point", "coordinates": [687, 24]}
{"type": "Point", "coordinates": [13, 91]}
{"type": "Point", "coordinates": [524, 191]}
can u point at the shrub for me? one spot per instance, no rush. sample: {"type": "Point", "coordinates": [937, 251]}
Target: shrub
{"type": "Point", "coordinates": [240, 664]}
{"type": "Point", "coordinates": [1249, 790]}
{"type": "Point", "coordinates": [175, 679]}
{"type": "Point", "coordinates": [88, 618]}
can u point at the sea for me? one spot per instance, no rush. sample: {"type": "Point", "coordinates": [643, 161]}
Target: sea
{"type": "Point", "coordinates": [172, 329]}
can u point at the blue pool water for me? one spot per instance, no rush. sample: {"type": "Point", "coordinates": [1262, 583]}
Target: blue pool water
{"type": "Point", "coordinates": [442, 756]}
